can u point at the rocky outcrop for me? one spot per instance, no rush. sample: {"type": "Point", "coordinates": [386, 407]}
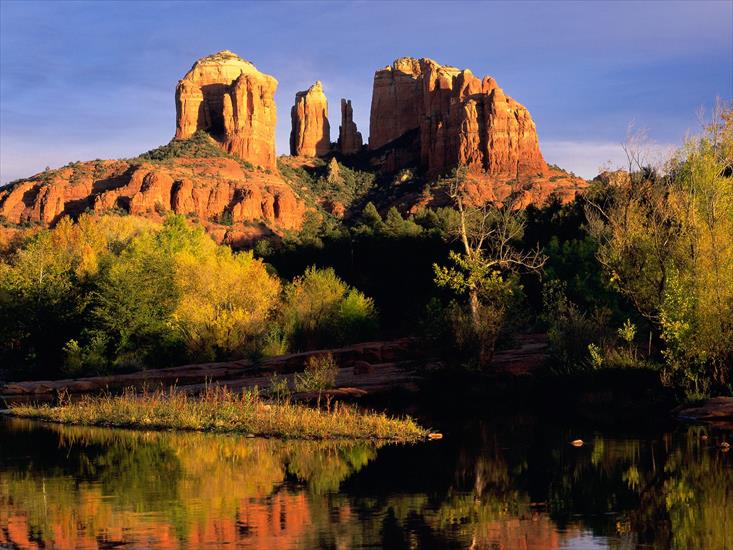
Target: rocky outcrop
{"type": "Point", "coordinates": [333, 172]}
{"type": "Point", "coordinates": [714, 409]}
{"type": "Point", "coordinates": [438, 117]}
{"type": "Point", "coordinates": [350, 141]}
{"type": "Point", "coordinates": [232, 101]}
{"type": "Point", "coordinates": [457, 117]}
{"type": "Point", "coordinates": [311, 133]}
{"type": "Point", "coordinates": [214, 190]}
{"type": "Point", "coordinates": [615, 178]}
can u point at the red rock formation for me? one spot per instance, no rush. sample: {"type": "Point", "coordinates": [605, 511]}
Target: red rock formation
{"type": "Point", "coordinates": [459, 118]}
{"type": "Point", "coordinates": [207, 188]}
{"type": "Point", "coordinates": [231, 100]}
{"type": "Point", "coordinates": [350, 141]}
{"type": "Point", "coordinates": [311, 133]}
{"type": "Point", "coordinates": [439, 117]}
{"type": "Point", "coordinates": [616, 178]}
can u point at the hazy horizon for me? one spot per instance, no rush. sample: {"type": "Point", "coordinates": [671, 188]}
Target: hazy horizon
{"type": "Point", "coordinates": [81, 80]}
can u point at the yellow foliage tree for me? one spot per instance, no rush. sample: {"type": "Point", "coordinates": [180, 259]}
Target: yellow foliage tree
{"type": "Point", "coordinates": [226, 300]}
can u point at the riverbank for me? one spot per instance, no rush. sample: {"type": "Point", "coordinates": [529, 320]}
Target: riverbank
{"type": "Point", "coordinates": [220, 410]}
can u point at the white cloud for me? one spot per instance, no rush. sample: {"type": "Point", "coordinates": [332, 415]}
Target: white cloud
{"type": "Point", "coordinates": [588, 158]}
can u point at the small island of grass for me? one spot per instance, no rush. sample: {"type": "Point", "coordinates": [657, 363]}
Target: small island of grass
{"type": "Point", "coordinates": [223, 411]}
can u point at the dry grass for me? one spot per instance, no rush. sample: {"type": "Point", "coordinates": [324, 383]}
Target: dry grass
{"type": "Point", "coordinates": [220, 410]}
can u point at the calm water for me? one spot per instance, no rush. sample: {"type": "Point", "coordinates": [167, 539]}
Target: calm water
{"type": "Point", "coordinates": [515, 484]}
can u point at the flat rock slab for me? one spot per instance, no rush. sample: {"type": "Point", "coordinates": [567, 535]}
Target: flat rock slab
{"type": "Point", "coordinates": [231, 372]}
{"type": "Point", "coordinates": [717, 408]}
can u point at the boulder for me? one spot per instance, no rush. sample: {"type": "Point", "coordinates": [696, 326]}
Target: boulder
{"type": "Point", "coordinates": [716, 408]}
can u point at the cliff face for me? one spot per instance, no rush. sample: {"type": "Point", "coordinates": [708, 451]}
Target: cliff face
{"type": "Point", "coordinates": [459, 119]}
{"type": "Point", "coordinates": [209, 189]}
{"type": "Point", "coordinates": [350, 141]}
{"type": "Point", "coordinates": [311, 133]}
{"type": "Point", "coordinates": [422, 113]}
{"type": "Point", "coordinates": [438, 117]}
{"type": "Point", "coordinates": [232, 101]}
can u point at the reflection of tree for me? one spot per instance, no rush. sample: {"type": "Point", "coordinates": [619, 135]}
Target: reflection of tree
{"type": "Point", "coordinates": [173, 486]}
{"type": "Point", "coordinates": [670, 493]}
{"type": "Point", "coordinates": [324, 470]}
{"type": "Point", "coordinates": [172, 490]}
{"type": "Point", "coordinates": [697, 496]}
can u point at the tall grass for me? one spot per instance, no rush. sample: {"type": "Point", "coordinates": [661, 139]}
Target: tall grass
{"type": "Point", "coordinates": [218, 409]}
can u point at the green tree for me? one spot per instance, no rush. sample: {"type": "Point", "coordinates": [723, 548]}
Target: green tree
{"type": "Point", "coordinates": [490, 237]}
{"type": "Point", "coordinates": [666, 242]}
{"type": "Point", "coordinates": [320, 310]}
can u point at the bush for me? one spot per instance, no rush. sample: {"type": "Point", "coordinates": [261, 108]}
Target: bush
{"type": "Point", "coordinates": [279, 388]}
{"type": "Point", "coordinates": [226, 302]}
{"type": "Point", "coordinates": [319, 374]}
{"type": "Point", "coordinates": [320, 310]}
{"type": "Point", "coordinates": [571, 331]}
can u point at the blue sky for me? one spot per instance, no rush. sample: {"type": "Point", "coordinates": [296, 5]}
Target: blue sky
{"type": "Point", "coordinates": [86, 80]}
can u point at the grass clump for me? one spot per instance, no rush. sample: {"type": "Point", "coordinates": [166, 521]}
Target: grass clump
{"type": "Point", "coordinates": [218, 409]}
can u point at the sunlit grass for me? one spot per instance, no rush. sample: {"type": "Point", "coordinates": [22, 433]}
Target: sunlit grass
{"type": "Point", "coordinates": [219, 410]}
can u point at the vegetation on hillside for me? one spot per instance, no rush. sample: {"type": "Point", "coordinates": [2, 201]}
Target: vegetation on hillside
{"type": "Point", "coordinates": [199, 145]}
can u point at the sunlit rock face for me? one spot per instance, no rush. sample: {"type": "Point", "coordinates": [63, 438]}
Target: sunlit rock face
{"type": "Point", "coordinates": [231, 100]}
{"type": "Point", "coordinates": [311, 133]}
{"type": "Point", "coordinates": [350, 140]}
{"type": "Point", "coordinates": [208, 189]}
{"type": "Point", "coordinates": [438, 117]}
{"type": "Point", "coordinates": [459, 119]}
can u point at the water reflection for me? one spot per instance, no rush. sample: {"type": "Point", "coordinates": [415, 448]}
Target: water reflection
{"type": "Point", "coordinates": [518, 485]}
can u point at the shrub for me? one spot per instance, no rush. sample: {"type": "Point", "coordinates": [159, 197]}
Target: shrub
{"type": "Point", "coordinates": [319, 310]}
{"type": "Point", "coordinates": [319, 374]}
{"type": "Point", "coordinates": [279, 388]}
{"type": "Point", "coordinates": [226, 300]}
{"type": "Point", "coordinates": [571, 331]}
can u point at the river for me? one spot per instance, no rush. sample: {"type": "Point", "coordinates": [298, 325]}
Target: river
{"type": "Point", "coordinates": [510, 483]}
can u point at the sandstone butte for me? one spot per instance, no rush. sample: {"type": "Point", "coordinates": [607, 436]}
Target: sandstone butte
{"type": "Point", "coordinates": [311, 133]}
{"type": "Point", "coordinates": [231, 100]}
{"type": "Point", "coordinates": [349, 141]}
{"type": "Point", "coordinates": [440, 117]}
{"type": "Point", "coordinates": [422, 114]}
{"type": "Point", "coordinates": [222, 95]}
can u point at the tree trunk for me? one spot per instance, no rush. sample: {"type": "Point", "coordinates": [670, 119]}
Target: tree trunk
{"type": "Point", "coordinates": [475, 315]}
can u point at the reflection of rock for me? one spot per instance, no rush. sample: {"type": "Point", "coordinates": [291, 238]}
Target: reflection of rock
{"type": "Point", "coordinates": [208, 478]}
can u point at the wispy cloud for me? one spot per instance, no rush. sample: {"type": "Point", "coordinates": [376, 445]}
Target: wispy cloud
{"type": "Point", "coordinates": [588, 158]}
